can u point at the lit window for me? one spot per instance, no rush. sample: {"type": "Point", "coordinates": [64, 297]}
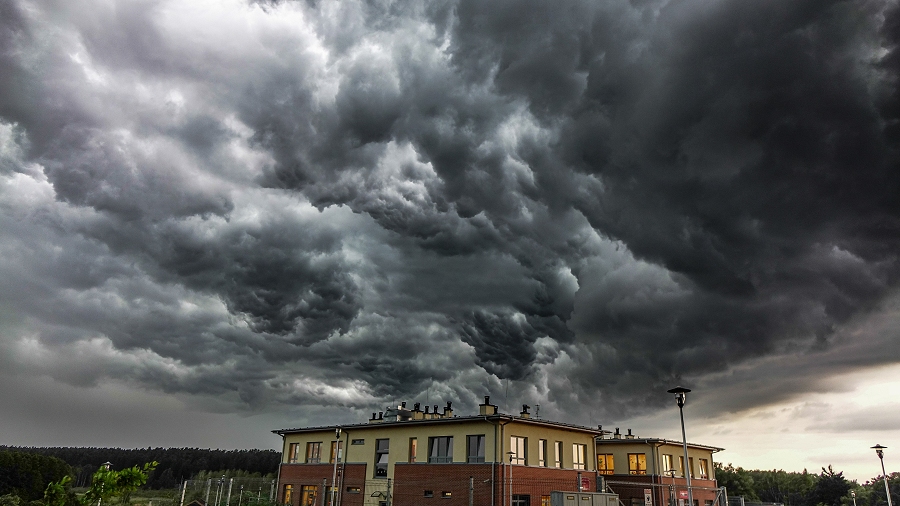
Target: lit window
{"type": "Point", "coordinates": [668, 463]}
{"type": "Point", "coordinates": [637, 463]}
{"type": "Point", "coordinates": [293, 450]}
{"type": "Point", "coordinates": [353, 490]}
{"type": "Point", "coordinates": [337, 451]}
{"type": "Point", "coordinates": [606, 463]}
{"type": "Point", "coordinates": [288, 494]}
{"type": "Point", "coordinates": [518, 446]}
{"type": "Point", "coordinates": [545, 500]}
{"type": "Point", "coordinates": [313, 453]}
{"type": "Point", "coordinates": [579, 455]}
{"type": "Point", "coordinates": [446, 494]}
{"type": "Point", "coordinates": [308, 495]}
{"type": "Point", "coordinates": [704, 469]}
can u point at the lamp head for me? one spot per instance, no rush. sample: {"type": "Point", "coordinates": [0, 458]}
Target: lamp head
{"type": "Point", "coordinates": [879, 450]}
{"type": "Point", "coordinates": [679, 395]}
{"type": "Point", "coordinates": [337, 433]}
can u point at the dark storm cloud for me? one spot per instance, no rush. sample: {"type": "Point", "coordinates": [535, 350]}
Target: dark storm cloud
{"type": "Point", "coordinates": [283, 202]}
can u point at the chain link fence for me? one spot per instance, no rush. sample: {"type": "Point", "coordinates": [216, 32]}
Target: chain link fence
{"type": "Point", "coordinates": [227, 492]}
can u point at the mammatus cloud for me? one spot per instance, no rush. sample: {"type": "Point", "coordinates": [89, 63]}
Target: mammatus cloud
{"type": "Point", "coordinates": [282, 203]}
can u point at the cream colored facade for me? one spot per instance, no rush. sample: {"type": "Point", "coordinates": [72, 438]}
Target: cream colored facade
{"type": "Point", "coordinates": [658, 453]}
{"type": "Point", "coordinates": [360, 441]}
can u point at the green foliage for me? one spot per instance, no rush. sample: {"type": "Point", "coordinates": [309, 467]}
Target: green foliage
{"type": "Point", "coordinates": [175, 464]}
{"type": "Point", "coordinates": [830, 488]}
{"type": "Point", "coordinates": [736, 480]}
{"type": "Point", "coordinates": [10, 500]}
{"type": "Point", "coordinates": [26, 475]}
{"type": "Point", "coordinates": [107, 483]}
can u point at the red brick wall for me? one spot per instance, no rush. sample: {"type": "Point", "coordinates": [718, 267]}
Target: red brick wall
{"type": "Point", "coordinates": [354, 475]}
{"type": "Point", "coordinates": [412, 480]}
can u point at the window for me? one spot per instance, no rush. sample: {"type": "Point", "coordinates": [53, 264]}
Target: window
{"type": "Point", "coordinates": [440, 450]}
{"type": "Point", "coordinates": [475, 448]}
{"type": "Point", "coordinates": [357, 441]}
{"type": "Point", "coordinates": [337, 451]}
{"type": "Point", "coordinates": [293, 450]}
{"type": "Point", "coordinates": [521, 500]}
{"type": "Point", "coordinates": [382, 448]}
{"type": "Point", "coordinates": [557, 450]}
{"type": "Point", "coordinates": [545, 500]}
{"type": "Point", "coordinates": [690, 468]}
{"type": "Point", "coordinates": [606, 463]}
{"type": "Point", "coordinates": [429, 493]}
{"type": "Point", "coordinates": [668, 463]}
{"type": "Point", "coordinates": [446, 494]}
{"type": "Point", "coordinates": [413, 443]}
{"type": "Point", "coordinates": [308, 495]}
{"type": "Point", "coordinates": [579, 455]}
{"type": "Point", "coordinates": [331, 492]}
{"type": "Point", "coordinates": [542, 454]}
{"type": "Point", "coordinates": [637, 463]}
{"type": "Point", "coordinates": [288, 495]}
{"type": "Point", "coordinates": [517, 445]}
{"type": "Point", "coordinates": [313, 453]}
{"type": "Point", "coordinates": [353, 490]}
{"type": "Point", "coordinates": [704, 469]}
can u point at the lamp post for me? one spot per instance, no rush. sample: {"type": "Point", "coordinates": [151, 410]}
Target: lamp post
{"type": "Point", "coordinates": [511, 454]}
{"type": "Point", "coordinates": [680, 393]}
{"type": "Point", "coordinates": [337, 452]}
{"type": "Point", "coordinates": [671, 472]}
{"type": "Point", "coordinates": [853, 495]}
{"type": "Point", "coordinates": [880, 451]}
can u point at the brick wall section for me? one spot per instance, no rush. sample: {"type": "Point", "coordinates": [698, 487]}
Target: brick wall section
{"type": "Point", "coordinates": [412, 480]}
{"type": "Point", "coordinates": [632, 494]}
{"type": "Point", "coordinates": [354, 475]}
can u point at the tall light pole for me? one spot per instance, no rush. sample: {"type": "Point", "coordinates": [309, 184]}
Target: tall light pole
{"type": "Point", "coordinates": [680, 393]}
{"type": "Point", "coordinates": [337, 452]}
{"type": "Point", "coordinates": [880, 451]}
{"type": "Point", "coordinates": [511, 454]}
{"type": "Point", "coordinates": [853, 495]}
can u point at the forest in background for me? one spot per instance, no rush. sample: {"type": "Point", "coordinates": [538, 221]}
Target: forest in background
{"type": "Point", "coordinates": [827, 488]}
{"type": "Point", "coordinates": [175, 464]}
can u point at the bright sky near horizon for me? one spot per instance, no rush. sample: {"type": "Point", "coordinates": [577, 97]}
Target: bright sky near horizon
{"type": "Point", "coordinates": [223, 217]}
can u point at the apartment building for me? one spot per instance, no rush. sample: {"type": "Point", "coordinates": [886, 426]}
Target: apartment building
{"type": "Point", "coordinates": [410, 456]}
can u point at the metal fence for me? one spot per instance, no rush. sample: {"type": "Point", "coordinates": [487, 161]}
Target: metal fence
{"type": "Point", "coordinates": [228, 492]}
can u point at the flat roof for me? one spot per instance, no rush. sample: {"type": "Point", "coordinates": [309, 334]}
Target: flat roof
{"type": "Point", "coordinates": [452, 419]}
{"type": "Point", "coordinates": [658, 441]}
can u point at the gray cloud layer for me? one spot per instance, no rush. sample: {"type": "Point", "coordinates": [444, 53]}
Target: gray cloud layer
{"type": "Point", "coordinates": [272, 203]}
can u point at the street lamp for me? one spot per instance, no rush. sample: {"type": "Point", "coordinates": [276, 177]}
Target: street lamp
{"type": "Point", "coordinates": [671, 472]}
{"type": "Point", "coordinates": [337, 452]}
{"type": "Point", "coordinates": [680, 393]}
{"type": "Point", "coordinates": [880, 451]}
{"type": "Point", "coordinates": [853, 495]}
{"type": "Point", "coordinates": [511, 454]}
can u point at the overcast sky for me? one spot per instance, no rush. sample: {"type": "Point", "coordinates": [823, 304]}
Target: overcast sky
{"type": "Point", "coordinates": [223, 217]}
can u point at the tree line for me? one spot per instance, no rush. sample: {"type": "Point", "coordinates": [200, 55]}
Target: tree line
{"type": "Point", "coordinates": [827, 488]}
{"type": "Point", "coordinates": [174, 465]}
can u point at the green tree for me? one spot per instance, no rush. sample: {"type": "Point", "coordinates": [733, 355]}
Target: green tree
{"type": "Point", "coordinates": [736, 480]}
{"type": "Point", "coordinates": [107, 483]}
{"type": "Point", "coordinates": [830, 488]}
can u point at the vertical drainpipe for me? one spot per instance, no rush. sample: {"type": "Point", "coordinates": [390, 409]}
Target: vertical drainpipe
{"type": "Point", "coordinates": [594, 464]}
{"type": "Point", "coordinates": [280, 465]}
{"type": "Point", "coordinates": [502, 464]}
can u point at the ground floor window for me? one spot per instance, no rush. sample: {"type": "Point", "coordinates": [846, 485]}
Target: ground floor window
{"type": "Point", "coordinates": [288, 494]}
{"type": "Point", "coordinates": [308, 494]}
{"type": "Point", "coordinates": [521, 500]}
{"type": "Point", "coordinates": [545, 500]}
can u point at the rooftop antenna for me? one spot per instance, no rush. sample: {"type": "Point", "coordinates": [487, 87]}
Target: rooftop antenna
{"type": "Point", "coordinates": [506, 396]}
{"type": "Point", "coordinates": [537, 410]}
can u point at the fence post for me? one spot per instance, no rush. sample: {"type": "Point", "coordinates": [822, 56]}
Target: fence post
{"type": "Point", "coordinates": [183, 490]}
{"type": "Point", "coordinates": [208, 485]}
{"type": "Point", "coordinates": [228, 499]}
